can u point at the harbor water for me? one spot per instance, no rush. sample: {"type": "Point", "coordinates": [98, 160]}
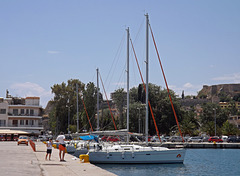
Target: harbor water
{"type": "Point", "coordinates": [202, 162]}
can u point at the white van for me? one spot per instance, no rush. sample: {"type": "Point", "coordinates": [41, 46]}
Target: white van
{"type": "Point", "coordinates": [224, 138]}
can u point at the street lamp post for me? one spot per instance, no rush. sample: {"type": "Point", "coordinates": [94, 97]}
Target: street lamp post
{"type": "Point", "coordinates": [68, 119]}
{"type": "Point", "coordinates": [68, 106]}
{"type": "Point", "coordinates": [139, 121]}
{"type": "Point", "coordinates": [215, 121]}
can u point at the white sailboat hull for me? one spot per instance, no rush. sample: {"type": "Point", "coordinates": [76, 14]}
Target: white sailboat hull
{"type": "Point", "coordinates": [144, 157]}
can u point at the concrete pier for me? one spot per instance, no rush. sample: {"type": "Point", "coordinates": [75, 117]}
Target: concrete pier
{"type": "Point", "coordinates": [23, 161]}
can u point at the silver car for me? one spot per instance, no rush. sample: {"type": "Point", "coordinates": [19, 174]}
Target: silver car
{"type": "Point", "coordinates": [195, 139]}
{"type": "Point", "coordinates": [175, 139]}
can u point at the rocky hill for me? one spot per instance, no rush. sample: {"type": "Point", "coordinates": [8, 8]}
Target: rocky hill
{"type": "Point", "coordinates": [215, 92]}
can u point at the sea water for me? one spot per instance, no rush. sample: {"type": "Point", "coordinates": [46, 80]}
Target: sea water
{"type": "Point", "coordinates": [220, 162]}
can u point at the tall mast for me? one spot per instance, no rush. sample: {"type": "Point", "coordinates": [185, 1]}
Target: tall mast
{"type": "Point", "coordinates": [127, 84]}
{"type": "Point", "coordinates": [77, 108]}
{"type": "Point", "coordinates": [146, 128]}
{"type": "Point", "coordinates": [97, 102]}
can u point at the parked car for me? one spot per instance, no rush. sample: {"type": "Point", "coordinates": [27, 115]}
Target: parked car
{"type": "Point", "coordinates": [149, 138]}
{"type": "Point", "coordinates": [195, 139]}
{"type": "Point", "coordinates": [22, 140]}
{"type": "Point", "coordinates": [135, 139]}
{"type": "Point", "coordinates": [175, 139]}
{"type": "Point", "coordinates": [186, 138]}
{"type": "Point", "coordinates": [224, 138]}
{"type": "Point", "coordinates": [215, 139]}
{"type": "Point", "coordinates": [113, 139]}
{"type": "Point", "coordinates": [156, 139]}
{"type": "Point", "coordinates": [205, 139]}
{"type": "Point", "coordinates": [42, 138]}
{"type": "Point", "coordinates": [167, 138]}
{"type": "Point", "coordinates": [104, 138]}
{"type": "Point", "coordinates": [233, 139]}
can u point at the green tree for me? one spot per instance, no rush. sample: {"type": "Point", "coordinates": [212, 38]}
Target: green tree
{"type": "Point", "coordinates": [161, 107]}
{"type": "Point", "coordinates": [232, 108]}
{"type": "Point", "coordinates": [229, 129]}
{"type": "Point", "coordinates": [65, 96]}
{"type": "Point", "coordinates": [137, 117]}
{"type": "Point", "coordinates": [209, 128]}
{"type": "Point", "coordinates": [106, 122]}
{"type": "Point", "coordinates": [119, 97]}
{"type": "Point", "coordinates": [207, 118]}
{"type": "Point", "coordinates": [237, 97]}
{"type": "Point", "coordinates": [90, 101]}
{"type": "Point", "coordinates": [53, 120]}
{"type": "Point", "coordinates": [189, 124]}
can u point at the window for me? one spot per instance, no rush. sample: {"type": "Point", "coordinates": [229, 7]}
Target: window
{"type": "Point", "coordinates": [22, 111]}
{"type": "Point", "coordinates": [27, 111]}
{"type": "Point", "coordinates": [3, 111]}
{"type": "Point", "coordinates": [15, 111]}
{"type": "Point", "coordinates": [31, 122]}
{"type": "Point", "coordinates": [15, 123]}
{"type": "Point", "coordinates": [26, 122]}
{"type": "Point", "coordinates": [2, 122]}
{"type": "Point", "coordinates": [21, 122]}
{"type": "Point", "coordinates": [31, 112]}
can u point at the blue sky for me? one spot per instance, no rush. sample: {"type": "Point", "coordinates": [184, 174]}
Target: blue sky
{"type": "Point", "coordinates": [43, 43]}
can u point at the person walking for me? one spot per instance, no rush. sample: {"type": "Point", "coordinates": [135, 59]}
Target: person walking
{"type": "Point", "coordinates": [62, 147]}
{"type": "Point", "coordinates": [49, 149]}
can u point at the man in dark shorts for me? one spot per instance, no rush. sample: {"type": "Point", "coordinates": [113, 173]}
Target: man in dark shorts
{"type": "Point", "coordinates": [62, 147]}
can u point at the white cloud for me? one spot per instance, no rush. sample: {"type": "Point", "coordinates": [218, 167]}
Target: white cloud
{"type": "Point", "coordinates": [188, 85]}
{"type": "Point", "coordinates": [53, 52]}
{"type": "Point", "coordinates": [31, 89]}
{"type": "Point", "coordinates": [188, 88]}
{"type": "Point", "coordinates": [235, 78]}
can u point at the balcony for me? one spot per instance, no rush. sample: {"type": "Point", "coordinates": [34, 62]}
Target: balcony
{"type": "Point", "coordinates": [11, 114]}
{"type": "Point", "coordinates": [17, 125]}
{"type": "Point", "coordinates": [22, 116]}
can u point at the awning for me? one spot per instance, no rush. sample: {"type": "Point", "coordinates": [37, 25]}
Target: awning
{"type": "Point", "coordinates": [13, 132]}
{"type": "Point", "coordinates": [85, 138]}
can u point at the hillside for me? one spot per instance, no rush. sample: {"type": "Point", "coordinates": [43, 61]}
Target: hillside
{"type": "Point", "coordinates": [216, 92]}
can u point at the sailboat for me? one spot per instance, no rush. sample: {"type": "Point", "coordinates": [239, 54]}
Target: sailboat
{"type": "Point", "coordinates": [136, 154]}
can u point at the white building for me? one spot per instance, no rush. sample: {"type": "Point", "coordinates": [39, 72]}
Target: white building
{"type": "Point", "coordinates": [20, 115]}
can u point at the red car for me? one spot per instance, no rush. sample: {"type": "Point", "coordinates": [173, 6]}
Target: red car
{"type": "Point", "coordinates": [113, 139]}
{"type": "Point", "coordinates": [104, 138]}
{"type": "Point", "coordinates": [149, 138]}
{"type": "Point", "coordinates": [215, 139]}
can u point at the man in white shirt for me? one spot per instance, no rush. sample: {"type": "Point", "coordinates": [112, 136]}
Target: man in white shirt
{"type": "Point", "coordinates": [49, 149]}
{"type": "Point", "coordinates": [62, 147]}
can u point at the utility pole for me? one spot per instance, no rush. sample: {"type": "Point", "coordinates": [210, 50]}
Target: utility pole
{"type": "Point", "coordinates": [139, 121]}
{"type": "Point", "coordinates": [127, 84]}
{"type": "Point", "coordinates": [215, 121]}
{"type": "Point", "coordinates": [68, 106]}
{"type": "Point", "coordinates": [77, 108]}
{"type": "Point", "coordinates": [146, 128]}
{"type": "Point", "coordinates": [97, 101]}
